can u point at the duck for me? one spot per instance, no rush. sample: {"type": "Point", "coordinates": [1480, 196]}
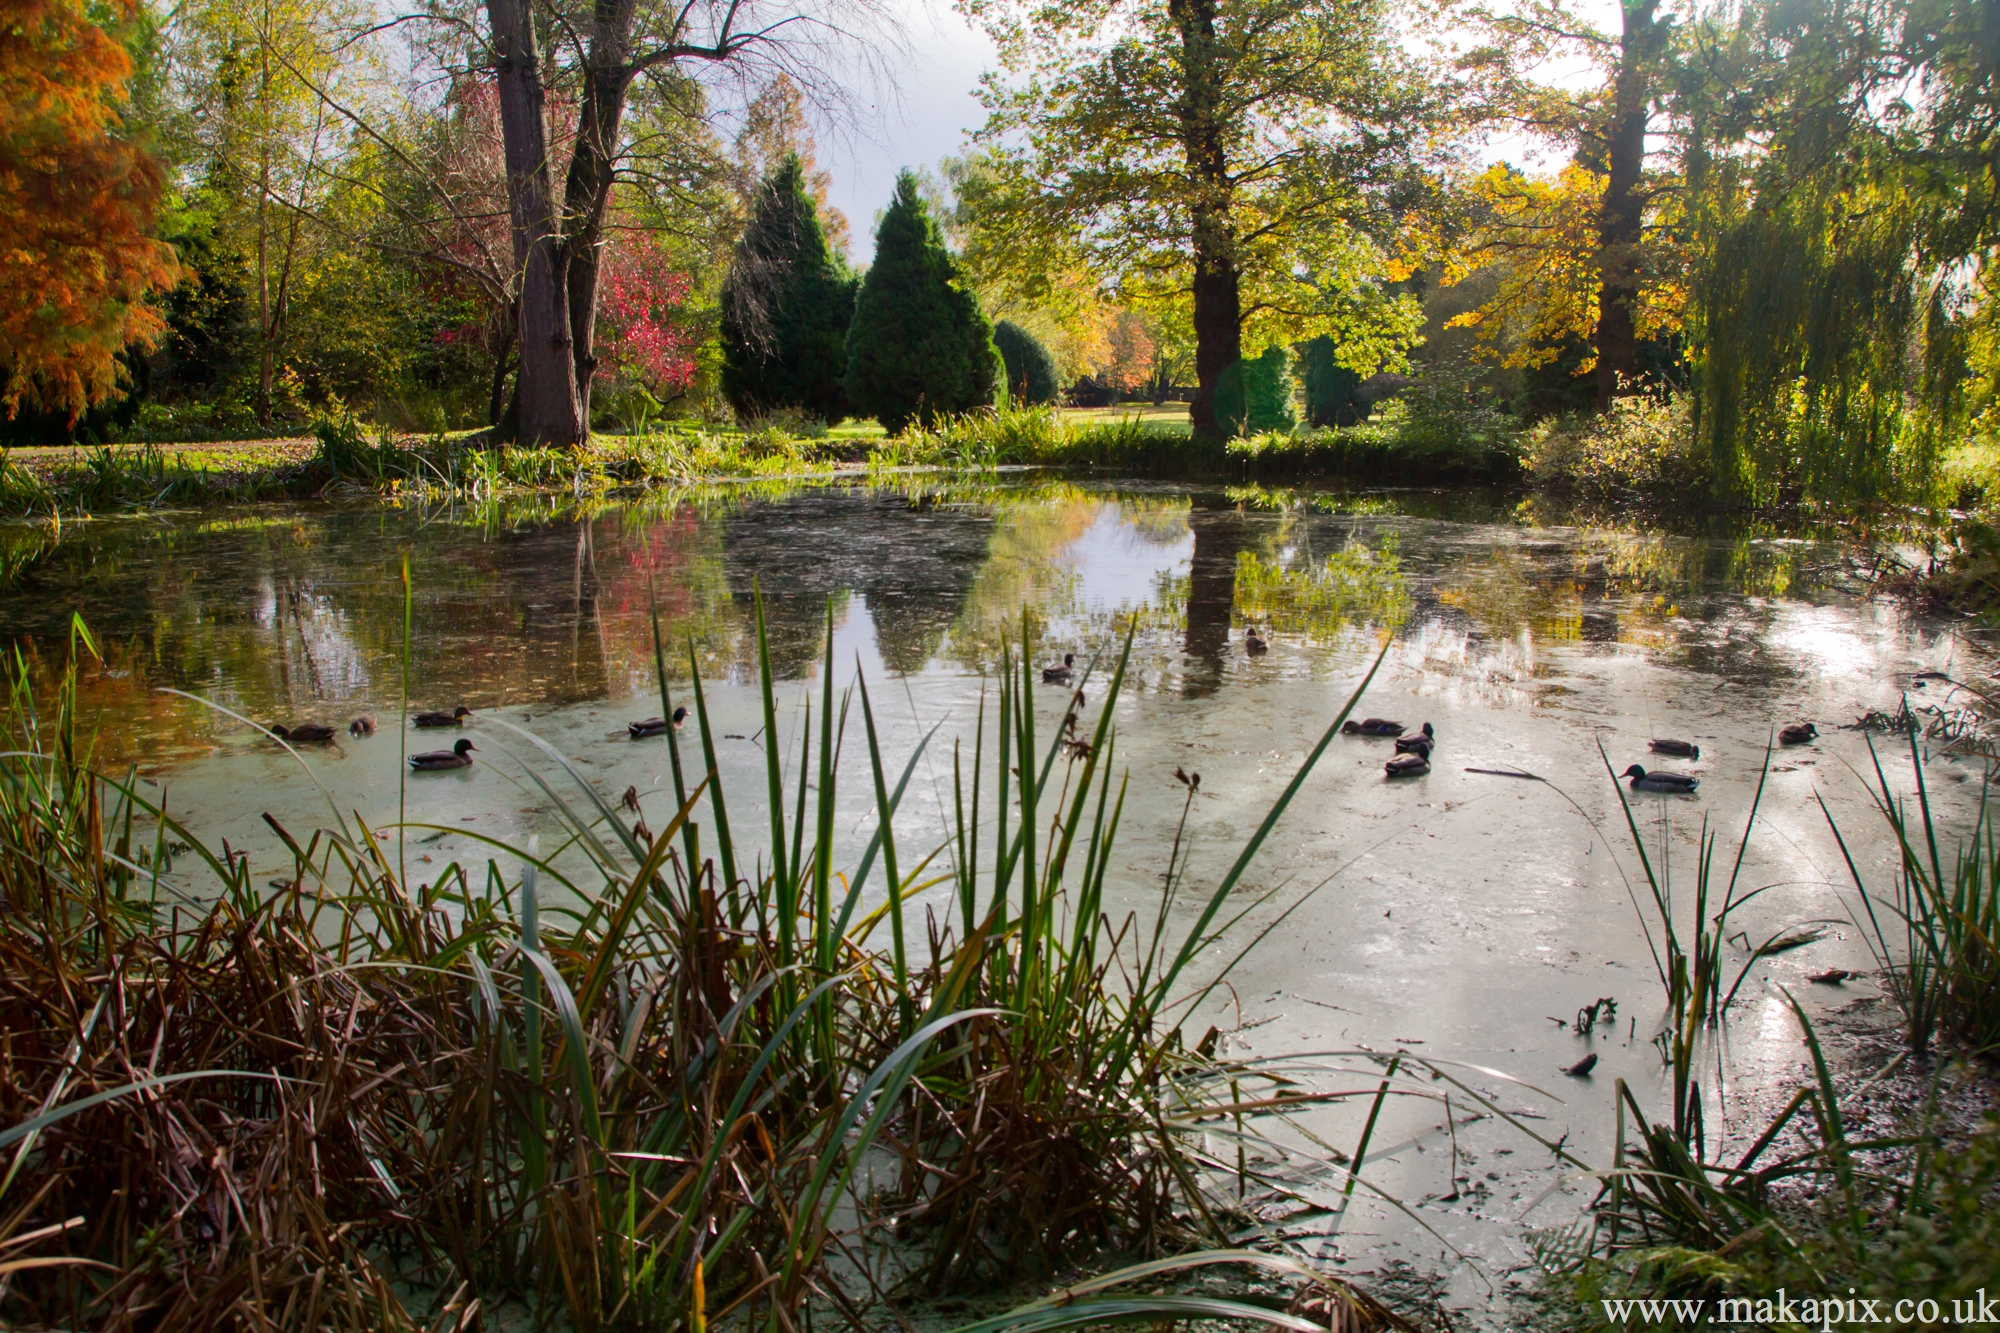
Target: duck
{"type": "Point", "coordinates": [1799, 733]}
{"type": "Point", "coordinates": [1372, 726]}
{"type": "Point", "coordinates": [452, 719]}
{"type": "Point", "coordinates": [1658, 781]}
{"type": "Point", "coordinates": [1419, 744]}
{"type": "Point", "coordinates": [1682, 749]}
{"type": "Point", "coordinates": [1407, 766]}
{"type": "Point", "coordinates": [306, 733]}
{"type": "Point", "coordinates": [1059, 675]}
{"type": "Point", "coordinates": [1254, 644]}
{"type": "Point", "coordinates": [362, 726]}
{"type": "Point", "coordinates": [656, 726]}
{"type": "Point", "coordinates": [458, 756]}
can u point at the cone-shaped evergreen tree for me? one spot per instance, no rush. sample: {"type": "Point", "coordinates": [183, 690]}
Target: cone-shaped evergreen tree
{"type": "Point", "coordinates": [1031, 371]}
{"type": "Point", "coordinates": [786, 307]}
{"type": "Point", "coordinates": [920, 347]}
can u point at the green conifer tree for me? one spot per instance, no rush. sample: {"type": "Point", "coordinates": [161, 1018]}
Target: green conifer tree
{"type": "Point", "coordinates": [785, 307]}
{"type": "Point", "coordinates": [1031, 371]}
{"type": "Point", "coordinates": [1255, 394]}
{"type": "Point", "coordinates": [1330, 387]}
{"type": "Point", "coordinates": [920, 348]}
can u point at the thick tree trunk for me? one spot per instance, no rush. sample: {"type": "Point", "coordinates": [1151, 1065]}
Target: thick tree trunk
{"type": "Point", "coordinates": [1621, 219]}
{"type": "Point", "coordinates": [551, 412]}
{"type": "Point", "coordinates": [592, 173]}
{"type": "Point", "coordinates": [1218, 309]}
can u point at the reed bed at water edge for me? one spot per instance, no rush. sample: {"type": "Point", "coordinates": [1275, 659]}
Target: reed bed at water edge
{"type": "Point", "coordinates": [624, 1080]}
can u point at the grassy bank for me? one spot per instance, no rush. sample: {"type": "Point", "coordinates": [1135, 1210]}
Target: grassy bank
{"type": "Point", "coordinates": [348, 458]}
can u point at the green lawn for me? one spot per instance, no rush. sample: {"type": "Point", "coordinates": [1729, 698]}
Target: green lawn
{"type": "Point", "coordinates": [1167, 416]}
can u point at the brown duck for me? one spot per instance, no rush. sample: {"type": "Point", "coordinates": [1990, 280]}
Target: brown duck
{"type": "Point", "coordinates": [452, 719]}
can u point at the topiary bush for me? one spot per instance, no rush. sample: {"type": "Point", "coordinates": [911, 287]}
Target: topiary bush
{"type": "Point", "coordinates": [920, 348]}
{"type": "Point", "coordinates": [1031, 371]}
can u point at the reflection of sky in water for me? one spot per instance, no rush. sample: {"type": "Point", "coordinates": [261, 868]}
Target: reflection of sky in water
{"type": "Point", "coordinates": [1469, 909]}
{"type": "Point", "coordinates": [1119, 563]}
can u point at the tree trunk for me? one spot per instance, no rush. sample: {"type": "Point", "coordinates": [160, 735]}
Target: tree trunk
{"type": "Point", "coordinates": [551, 412]}
{"type": "Point", "coordinates": [1218, 311]}
{"type": "Point", "coordinates": [1621, 218]}
{"type": "Point", "coordinates": [592, 172]}
{"type": "Point", "coordinates": [503, 361]}
{"type": "Point", "coordinates": [265, 359]}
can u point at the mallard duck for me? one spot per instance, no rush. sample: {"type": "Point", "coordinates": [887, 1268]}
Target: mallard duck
{"type": "Point", "coordinates": [458, 756]}
{"type": "Point", "coordinates": [1253, 643]}
{"type": "Point", "coordinates": [306, 733]}
{"type": "Point", "coordinates": [1419, 744]}
{"type": "Point", "coordinates": [1799, 733]}
{"type": "Point", "coordinates": [1372, 726]}
{"type": "Point", "coordinates": [451, 719]}
{"type": "Point", "coordinates": [656, 726]}
{"type": "Point", "coordinates": [1683, 749]}
{"type": "Point", "coordinates": [362, 726]}
{"type": "Point", "coordinates": [1059, 675]}
{"type": "Point", "coordinates": [1407, 766]}
{"type": "Point", "coordinates": [1657, 781]}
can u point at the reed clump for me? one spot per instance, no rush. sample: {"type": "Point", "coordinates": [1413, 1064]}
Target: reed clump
{"type": "Point", "coordinates": [1821, 1198]}
{"type": "Point", "coordinates": [632, 1080]}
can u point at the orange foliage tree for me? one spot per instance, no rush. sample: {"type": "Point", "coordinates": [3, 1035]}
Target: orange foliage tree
{"type": "Point", "coordinates": [77, 198]}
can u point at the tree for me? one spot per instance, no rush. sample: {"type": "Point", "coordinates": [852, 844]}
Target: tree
{"type": "Point", "coordinates": [1031, 371]}
{"type": "Point", "coordinates": [559, 232]}
{"type": "Point", "coordinates": [1588, 256]}
{"type": "Point", "coordinates": [786, 307]}
{"type": "Point", "coordinates": [1255, 394]}
{"type": "Point", "coordinates": [1330, 386]}
{"type": "Point", "coordinates": [1248, 154]}
{"type": "Point", "coordinates": [78, 261]}
{"type": "Point", "coordinates": [257, 82]}
{"type": "Point", "coordinates": [640, 317]}
{"type": "Point", "coordinates": [920, 348]}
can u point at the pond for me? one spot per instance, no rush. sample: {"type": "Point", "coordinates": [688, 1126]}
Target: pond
{"type": "Point", "coordinates": [1455, 913]}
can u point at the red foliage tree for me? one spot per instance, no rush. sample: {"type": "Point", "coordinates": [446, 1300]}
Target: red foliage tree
{"type": "Point", "coordinates": [639, 301]}
{"type": "Point", "coordinates": [77, 200]}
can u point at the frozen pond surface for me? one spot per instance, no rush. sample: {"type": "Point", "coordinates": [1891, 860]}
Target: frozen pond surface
{"type": "Point", "coordinates": [1462, 911]}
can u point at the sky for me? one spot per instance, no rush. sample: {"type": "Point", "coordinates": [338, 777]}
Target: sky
{"type": "Point", "coordinates": [928, 104]}
{"type": "Point", "coordinates": [924, 113]}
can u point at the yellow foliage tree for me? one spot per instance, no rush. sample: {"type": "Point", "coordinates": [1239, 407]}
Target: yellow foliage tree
{"type": "Point", "coordinates": [77, 199]}
{"type": "Point", "coordinates": [1542, 237]}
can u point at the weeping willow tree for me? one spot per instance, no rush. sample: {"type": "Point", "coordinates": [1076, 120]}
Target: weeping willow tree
{"type": "Point", "coordinates": [1840, 244]}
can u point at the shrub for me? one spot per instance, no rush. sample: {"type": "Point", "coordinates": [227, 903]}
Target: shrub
{"type": "Point", "coordinates": [1331, 389]}
{"type": "Point", "coordinates": [1641, 444]}
{"type": "Point", "coordinates": [1255, 395]}
{"type": "Point", "coordinates": [919, 349]}
{"type": "Point", "coordinates": [1031, 371]}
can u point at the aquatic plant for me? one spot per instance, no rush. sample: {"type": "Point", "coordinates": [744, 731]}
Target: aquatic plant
{"type": "Point", "coordinates": [1936, 949]}
{"type": "Point", "coordinates": [634, 1079]}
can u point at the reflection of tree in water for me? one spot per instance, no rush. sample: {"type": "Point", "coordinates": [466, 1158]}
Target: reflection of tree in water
{"type": "Point", "coordinates": [1222, 534]}
{"type": "Point", "coordinates": [1673, 595]}
{"type": "Point", "coordinates": [912, 559]}
{"type": "Point", "coordinates": [1356, 585]}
